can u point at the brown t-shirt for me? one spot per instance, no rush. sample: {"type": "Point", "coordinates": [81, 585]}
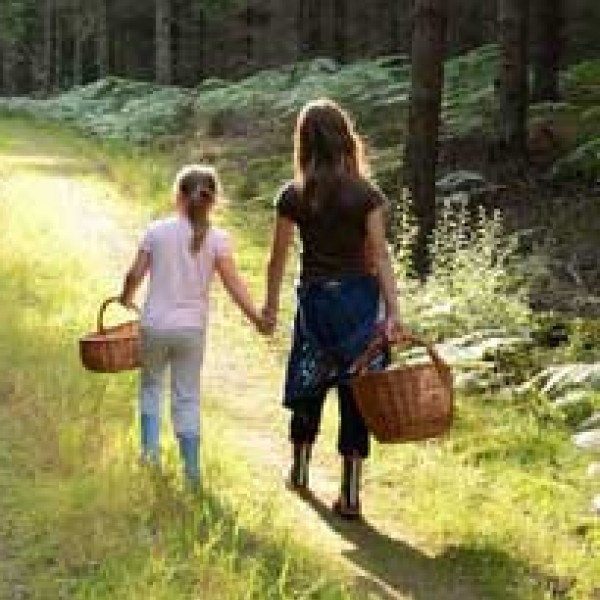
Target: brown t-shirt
{"type": "Point", "coordinates": [333, 235]}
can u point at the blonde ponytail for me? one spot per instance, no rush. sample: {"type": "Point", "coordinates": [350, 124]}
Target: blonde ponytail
{"type": "Point", "coordinates": [199, 186]}
{"type": "Point", "coordinates": [198, 217]}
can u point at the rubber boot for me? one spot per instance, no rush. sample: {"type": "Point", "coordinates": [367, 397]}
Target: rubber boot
{"type": "Point", "coordinates": [150, 432]}
{"type": "Point", "coordinates": [189, 448]}
{"type": "Point", "coordinates": [298, 479]}
{"type": "Point", "coordinates": [348, 503]}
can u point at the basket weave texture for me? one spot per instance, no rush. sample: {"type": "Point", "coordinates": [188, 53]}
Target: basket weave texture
{"type": "Point", "coordinates": [111, 349]}
{"type": "Point", "coordinates": [405, 402]}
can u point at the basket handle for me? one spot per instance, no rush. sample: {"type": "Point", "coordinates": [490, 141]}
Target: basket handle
{"type": "Point", "coordinates": [105, 305]}
{"type": "Point", "coordinates": [380, 341]}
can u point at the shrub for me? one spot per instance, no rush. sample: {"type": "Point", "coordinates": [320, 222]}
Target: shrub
{"type": "Point", "coordinates": [476, 280]}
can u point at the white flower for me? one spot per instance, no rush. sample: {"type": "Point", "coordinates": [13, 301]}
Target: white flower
{"type": "Point", "coordinates": [594, 469]}
{"type": "Point", "coordinates": [588, 440]}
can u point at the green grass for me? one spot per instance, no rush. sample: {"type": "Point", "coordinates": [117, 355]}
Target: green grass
{"type": "Point", "coordinates": [84, 520]}
{"type": "Point", "coordinates": [504, 495]}
{"type": "Point", "coordinates": [522, 489]}
{"type": "Point", "coordinates": [502, 501]}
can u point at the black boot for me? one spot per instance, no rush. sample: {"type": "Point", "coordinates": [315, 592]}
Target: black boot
{"type": "Point", "coordinates": [348, 504]}
{"type": "Point", "coordinates": [298, 479]}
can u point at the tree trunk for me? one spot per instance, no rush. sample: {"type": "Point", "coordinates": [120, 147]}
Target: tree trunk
{"type": "Point", "coordinates": [513, 85]}
{"type": "Point", "coordinates": [394, 41]}
{"type": "Point", "coordinates": [547, 23]}
{"type": "Point", "coordinates": [8, 68]}
{"type": "Point", "coordinates": [300, 19]}
{"type": "Point", "coordinates": [77, 19]}
{"type": "Point", "coordinates": [77, 56]}
{"type": "Point", "coordinates": [312, 27]}
{"type": "Point", "coordinates": [58, 50]}
{"type": "Point", "coordinates": [201, 29]}
{"type": "Point", "coordinates": [164, 61]}
{"type": "Point", "coordinates": [340, 18]}
{"type": "Point", "coordinates": [189, 34]}
{"type": "Point", "coordinates": [427, 57]}
{"type": "Point", "coordinates": [49, 10]}
{"type": "Point", "coordinates": [3, 91]}
{"type": "Point", "coordinates": [102, 39]}
{"type": "Point", "coordinates": [249, 49]}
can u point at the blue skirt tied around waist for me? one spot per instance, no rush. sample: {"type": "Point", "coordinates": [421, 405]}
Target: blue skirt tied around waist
{"type": "Point", "coordinates": [335, 321]}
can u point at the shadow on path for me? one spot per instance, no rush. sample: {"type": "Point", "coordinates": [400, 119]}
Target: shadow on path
{"type": "Point", "coordinates": [400, 570]}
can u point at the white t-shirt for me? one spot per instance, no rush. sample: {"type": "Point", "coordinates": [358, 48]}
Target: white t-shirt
{"type": "Point", "coordinates": [178, 290]}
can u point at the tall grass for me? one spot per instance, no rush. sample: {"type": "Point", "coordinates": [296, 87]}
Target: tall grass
{"type": "Point", "coordinates": [500, 502]}
{"type": "Point", "coordinates": [477, 273]}
{"type": "Point", "coordinates": [85, 519]}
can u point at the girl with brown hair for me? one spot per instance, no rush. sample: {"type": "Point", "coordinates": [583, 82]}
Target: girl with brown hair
{"type": "Point", "coordinates": [180, 253]}
{"type": "Point", "coordinates": [346, 286]}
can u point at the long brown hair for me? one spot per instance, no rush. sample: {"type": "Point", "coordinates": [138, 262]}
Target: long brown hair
{"type": "Point", "coordinates": [199, 187]}
{"type": "Point", "coordinates": [326, 149]}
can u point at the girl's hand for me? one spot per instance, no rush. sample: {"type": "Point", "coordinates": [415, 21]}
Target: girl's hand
{"type": "Point", "coordinates": [126, 301]}
{"type": "Point", "coordinates": [394, 331]}
{"type": "Point", "coordinates": [268, 321]}
{"type": "Point", "coordinates": [134, 277]}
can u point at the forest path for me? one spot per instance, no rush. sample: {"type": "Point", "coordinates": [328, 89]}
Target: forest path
{"type": "Point", "coordinates": [241, 384]}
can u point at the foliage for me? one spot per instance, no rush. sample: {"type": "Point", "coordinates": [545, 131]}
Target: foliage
{"type": "Point", "coordinates": [559, 379]}
{"type": "Point", "coordinates": [505, 507]}
{"type": "Point", "coordinates": [475, 280]}
{"type": "Point", "coordinates": [582, 78]}
{"type": "Point", "coordinates": [116, 108]}
{"type": "Point", "coordinates": [517, 524]}
{"type": "Point", "coordinates": [84, 519]}
{"type": "Point", "coordinates": [375, 91]}
{"type": "Point", "coordinates": [469, 103]}
{"type": "Point", "coordinates": [15, 17]}
{"type": "Point", "coordinates": [584, 341]}
{"type": "Point", "coordinates": [582, 164]}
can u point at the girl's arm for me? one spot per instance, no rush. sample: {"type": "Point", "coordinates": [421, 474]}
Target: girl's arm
{"type": "Point", "coordinates": [385, 273]}
{"type": "Point", "coordinates": [237, 289]}
{"type": "Point", "coordinates": [134, 277]}
{"type": "Point", "coordinates": [282, 239]}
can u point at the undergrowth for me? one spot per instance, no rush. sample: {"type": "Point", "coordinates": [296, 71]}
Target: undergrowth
{"type": "Point", "coordinates": [501, 499]}
{"type": "Point", "coordinates": [83, 518]}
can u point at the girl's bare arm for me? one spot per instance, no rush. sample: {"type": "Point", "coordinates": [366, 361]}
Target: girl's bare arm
{"type": "Point", "coordinates": [282, 239]}
{"type": "Point", "coordinates": [383, 263]}
{"type": "Point", "coordinates": [134, 277]}
{"type": "Point", "coordinates": [237, 289]}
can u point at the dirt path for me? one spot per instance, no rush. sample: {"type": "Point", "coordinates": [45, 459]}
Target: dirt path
{"type": "Point", "coordinates": [382, 558]}
{"type": "Point", "coordinates": [241, 382]}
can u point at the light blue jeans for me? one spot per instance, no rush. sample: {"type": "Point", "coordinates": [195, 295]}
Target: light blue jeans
{"type": "Point", "coordinates": [182, 350]}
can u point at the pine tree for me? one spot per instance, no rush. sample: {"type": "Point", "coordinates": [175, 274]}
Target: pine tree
{"type": "Point", "coordinates": [427, 56]}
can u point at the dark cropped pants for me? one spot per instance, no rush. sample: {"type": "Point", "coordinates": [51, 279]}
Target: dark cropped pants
{"type": "Point", "coordinates": [334, 323]}
{"type": "Point", "coordinates": [353, 436]}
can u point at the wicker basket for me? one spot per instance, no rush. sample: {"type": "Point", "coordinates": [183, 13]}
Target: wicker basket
{"type": "Point", "coordinates": [404, 402]}
{"type": "Point", "coordinates": [111, 349]}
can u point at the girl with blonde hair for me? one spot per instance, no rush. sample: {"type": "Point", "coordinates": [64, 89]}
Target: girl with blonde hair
{"type": "Point", "coordinates": [180, 253]}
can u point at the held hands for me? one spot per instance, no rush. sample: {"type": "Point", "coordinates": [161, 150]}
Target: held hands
{"type": "Point", "coordinates": [394, 331]}
{"type": "Point", "coordinates": [265, 321]}
{"type": "Point", "coordinates": [268, 321]}
{"type": "Point", "coordinates": [126, 300]}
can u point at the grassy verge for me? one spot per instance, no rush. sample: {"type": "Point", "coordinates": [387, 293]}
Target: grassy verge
{"type": "Point", "coordinates": [505, 499]}
{"type": "Point", "coordinates": [502, 501]}
{"type": "Point", "coordinates": [83, 519]}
